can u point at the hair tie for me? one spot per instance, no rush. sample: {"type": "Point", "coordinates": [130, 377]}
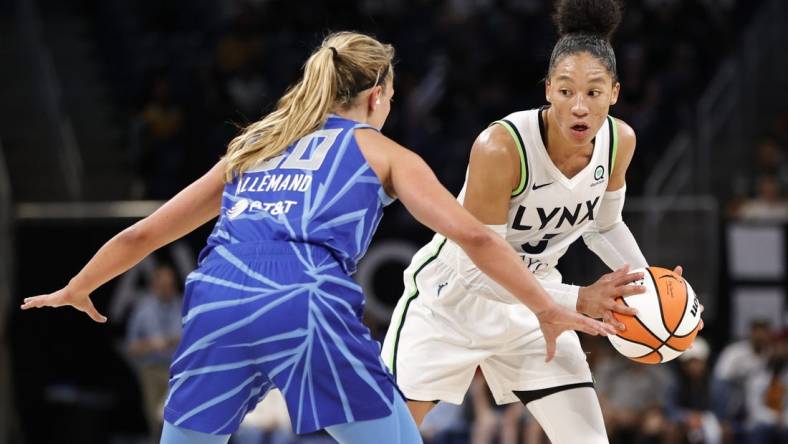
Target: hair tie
{"type": "Point", "coordinates": [334, 50]}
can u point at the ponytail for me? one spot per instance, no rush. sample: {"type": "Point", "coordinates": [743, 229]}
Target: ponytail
{"type": "Point", "coordinates": [344, 65]}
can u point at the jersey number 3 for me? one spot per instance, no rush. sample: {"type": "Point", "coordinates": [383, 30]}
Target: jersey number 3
{"type": "Point", "coordinates": [539, 247]}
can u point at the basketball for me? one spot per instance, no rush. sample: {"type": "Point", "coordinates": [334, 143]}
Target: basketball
{"type": "Point", "coordinates": [667, 321]}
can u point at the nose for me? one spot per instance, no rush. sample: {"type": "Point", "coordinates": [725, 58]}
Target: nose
{"type": "Point", "coordinates": [579, 107]}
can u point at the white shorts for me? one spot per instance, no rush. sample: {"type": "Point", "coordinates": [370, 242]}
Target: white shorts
{"type": "Point", "coordinates": [443, 329]}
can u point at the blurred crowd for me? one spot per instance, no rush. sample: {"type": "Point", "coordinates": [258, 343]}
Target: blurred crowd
{"type": "Point", "coordinates": [187, 72]}
{"type": "Point", "coordinates": [736, 396]}
{"type": "Point", "coordinates": [759, 192]}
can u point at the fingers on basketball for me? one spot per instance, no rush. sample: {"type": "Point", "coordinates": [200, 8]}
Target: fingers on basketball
{"type": "Point", "coordinates": [608, 318]}
{"type": "Point", "coordinates": [628, 278]}
{"type": "Point", "coordinates": [657, 335]}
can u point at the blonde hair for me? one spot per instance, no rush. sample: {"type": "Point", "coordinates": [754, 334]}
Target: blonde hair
{"type": "Point", "coordinates": [345, 64]}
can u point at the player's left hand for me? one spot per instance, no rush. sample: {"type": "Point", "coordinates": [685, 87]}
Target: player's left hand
{"type": "Point", "coordinates": [557, 320]}
{"type": "Point", "coordinates": [62, 297]}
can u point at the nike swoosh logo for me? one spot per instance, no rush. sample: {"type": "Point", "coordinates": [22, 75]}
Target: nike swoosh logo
{"type": "Point", "coordinates": [536, 187]}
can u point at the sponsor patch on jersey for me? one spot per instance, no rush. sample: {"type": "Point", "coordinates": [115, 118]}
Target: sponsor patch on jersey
{"type": "Point", "coordinates": [599, 175]}
{"type": "Point", "coordinates": [254, 206]}
{"type": "Point", "coordinates": [238, 209]}
{"type": "Point", "coordinates": [599, 172]}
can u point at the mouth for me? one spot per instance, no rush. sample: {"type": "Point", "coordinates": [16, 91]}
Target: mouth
{"type": "Point", "coordinates": [580, 130]}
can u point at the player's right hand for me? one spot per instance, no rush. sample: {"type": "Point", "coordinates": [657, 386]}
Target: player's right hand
{"type": "Point", "coordinates": [598, 300]}
{"type": "Point", "coordinates": [62, 297]}
{"type": "Point", "coordinates": [557, 320]}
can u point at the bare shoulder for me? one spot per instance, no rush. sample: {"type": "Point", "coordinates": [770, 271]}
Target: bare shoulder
{"type": "Point", "coordinates": [495, 144]}
{"type": "Point", "coordinates": [624, 155]}
{"type": "Point", "coordinates": [381, 153]}
{"type": "Point", "coordinates": [373, 140]}
{"type": "Point", "coordinates": [626, 137]}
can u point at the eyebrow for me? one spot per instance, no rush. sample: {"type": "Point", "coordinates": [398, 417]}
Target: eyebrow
{"type": "Point", "coordinates": [596, 79]}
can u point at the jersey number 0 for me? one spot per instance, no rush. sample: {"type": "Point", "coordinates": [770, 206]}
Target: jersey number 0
{"type": "Point", "coordinates": [295, 160]}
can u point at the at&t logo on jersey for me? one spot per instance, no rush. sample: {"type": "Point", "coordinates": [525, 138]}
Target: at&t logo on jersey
{"type": "Point", "coordinates": [253, 206]}
{"type": "Point", "coordinates": [238, 209]}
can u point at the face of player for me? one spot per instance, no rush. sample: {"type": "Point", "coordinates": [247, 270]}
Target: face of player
{"type": "Point", "coordinates": [581, 91]}
{"type": "Point", "coordinates": [380, 103]}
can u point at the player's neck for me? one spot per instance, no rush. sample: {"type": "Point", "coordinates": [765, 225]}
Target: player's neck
{"type": "Point", "coordinates": [355, 113]}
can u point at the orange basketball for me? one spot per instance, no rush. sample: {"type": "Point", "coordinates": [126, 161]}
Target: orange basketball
{"type": "Point", "coordinates": [667, 321]}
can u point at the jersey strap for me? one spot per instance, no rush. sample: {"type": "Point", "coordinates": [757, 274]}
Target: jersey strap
{"type": "Point", "coordinates": [364, 125]}
{"type": "Point", "coordinates": [521, 150]}
{"type": "Point", "coordinates": [611, 162]}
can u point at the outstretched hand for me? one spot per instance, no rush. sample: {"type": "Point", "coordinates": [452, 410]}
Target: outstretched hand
{"type": "Point", "coordinates": [63, 297]}
{"type": "Point", "coordinates": [558, 319]}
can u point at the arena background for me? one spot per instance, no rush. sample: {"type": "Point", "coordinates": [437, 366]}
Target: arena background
{"type": "Point", "coordinates": [111, 106]}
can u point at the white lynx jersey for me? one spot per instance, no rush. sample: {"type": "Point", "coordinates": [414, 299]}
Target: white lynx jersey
{"type": "Point", "coordinates": [548, 211]}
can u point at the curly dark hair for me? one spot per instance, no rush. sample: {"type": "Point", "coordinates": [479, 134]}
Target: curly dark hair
{"type": "Point", "coordinates": [586, 26]}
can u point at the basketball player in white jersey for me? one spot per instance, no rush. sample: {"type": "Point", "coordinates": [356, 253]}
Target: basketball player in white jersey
{"type": "Point", "coordinates": [541, 179]}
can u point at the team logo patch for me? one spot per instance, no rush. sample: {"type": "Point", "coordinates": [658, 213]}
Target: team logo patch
{"type": "Point", "coordinates": [599, 172]}
{"type": "Point", "coordinates": [238, 209]}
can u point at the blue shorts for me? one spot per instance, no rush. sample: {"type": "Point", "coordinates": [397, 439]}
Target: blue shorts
{"type": "Point", "coordinates": [275, 314]}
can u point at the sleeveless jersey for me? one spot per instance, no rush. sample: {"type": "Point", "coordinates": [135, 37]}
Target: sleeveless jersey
{"type": "Point", "coordinates": [548, 211]}
{"type": "Point", "coordinates": [272, 303]}
{"type": "Point", "coordinates": [320, 190]}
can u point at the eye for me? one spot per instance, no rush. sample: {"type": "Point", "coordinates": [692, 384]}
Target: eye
{"type": "Point", "coordinates": [565, 92]}
{"type": "Point", "coordinates": [595, 93]}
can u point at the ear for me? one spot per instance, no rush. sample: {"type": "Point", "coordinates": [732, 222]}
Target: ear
{"type": "Point", "coordinates": [547, 91]}
{"type": "Point", "coordinates": [375, 95]}
{"type": "Point", "coordinates": [614, 94]}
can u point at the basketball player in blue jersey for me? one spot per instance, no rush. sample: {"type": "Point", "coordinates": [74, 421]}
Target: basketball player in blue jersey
{"type": "Point", "coordinates": [541, 179]}
{"type": "Point", "coordinates": [299, 195]}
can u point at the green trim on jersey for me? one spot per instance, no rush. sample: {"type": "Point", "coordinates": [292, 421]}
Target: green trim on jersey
{"type": "Point", "coordinates": [520, 150]}
{"type": "Point", "coordinates": [613, 146]}
{"type": "Point", "coordinates": [411, 297]}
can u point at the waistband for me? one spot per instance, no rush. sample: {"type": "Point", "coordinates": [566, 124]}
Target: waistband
{"type": "Point", "coordinates": [270, 249]}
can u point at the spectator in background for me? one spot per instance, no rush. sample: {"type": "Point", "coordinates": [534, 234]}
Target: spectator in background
{"type": "Point", "coordinates": [491, 420]}
{"type": "Point", "coordinates": [689, 402]}
{"type": "Point", "coordinates": [633, 396]}
{"type": "Point", "coordinates": [154, 330]}
{"type": "Point", "coordinates": [161, 152]}
{"type": "Point", "coordinates": [247, 91]}
{"type": "Point", "coordinates": [736, 362]}
{"type": "Point", "coordinates": [769, 204]}
{"type": "Point", "coordinates": [770, 159]}
{"type": "Point", "coordinates": [445, 424]}
{"type": "Point", "coordinates": [767, 398]}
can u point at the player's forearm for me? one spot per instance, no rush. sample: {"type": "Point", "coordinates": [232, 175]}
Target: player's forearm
{"type": "Point", "coordinates": [616, 246]}
{"type": "Point", "coordinates": [496, 258]}
{"type": "Point", "coordinates": [116, 256]}
{"type": "Point", "coordinates": [566, 295]}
